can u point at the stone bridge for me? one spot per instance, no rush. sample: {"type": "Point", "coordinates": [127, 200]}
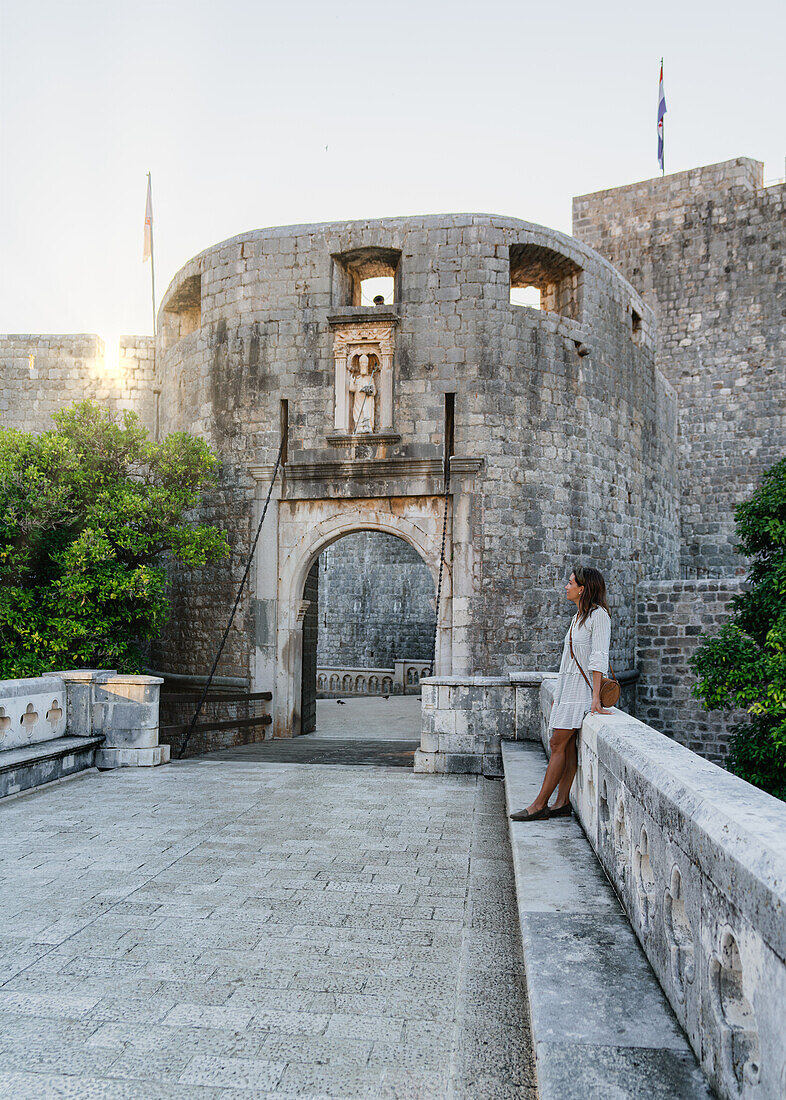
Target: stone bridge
{"type": "Point", "coordinates": [652, 929]}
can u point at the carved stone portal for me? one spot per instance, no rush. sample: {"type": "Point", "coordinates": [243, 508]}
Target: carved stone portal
{"type": "Point", "coordinates": [363, 358]}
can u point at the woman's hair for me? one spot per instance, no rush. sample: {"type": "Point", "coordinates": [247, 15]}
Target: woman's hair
{"type": "Point", "coordinates": [594, 594]}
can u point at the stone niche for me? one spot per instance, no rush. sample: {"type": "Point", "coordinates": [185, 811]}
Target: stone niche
{"type": "Point", "coordinates": [363, 368]}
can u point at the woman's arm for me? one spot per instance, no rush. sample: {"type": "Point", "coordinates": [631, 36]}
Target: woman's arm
{"type": "Point", "coordinates": [600, 628]}
{"type": "Point", "coordinates": [599, 657]}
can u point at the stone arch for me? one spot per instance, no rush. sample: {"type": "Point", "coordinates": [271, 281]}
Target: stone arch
{"type": "Point", "coordinates": [323, 522]}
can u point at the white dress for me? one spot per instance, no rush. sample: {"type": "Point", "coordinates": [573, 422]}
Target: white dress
{"type": "Point", "coordinates": [572, 696]}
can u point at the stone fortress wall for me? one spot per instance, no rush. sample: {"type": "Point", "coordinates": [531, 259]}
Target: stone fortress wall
{"type": "Point", "coordinates": [376, 603]}
{"type": "Point", "coordinates": [671, 616]}
{"type": "Point", "coordinates": [706, 249]}
{"type": "Point", "coordinates": [41, 374]}
{"type": "Point", "coordinates": [565, 418]}
{"type": "Point", "coordinates": [253, 321]}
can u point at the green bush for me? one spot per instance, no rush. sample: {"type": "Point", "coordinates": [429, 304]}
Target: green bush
{"type": "Point", "coordinates": [89, 514]}
{"type": "Point", "coordinates": [745, 664]}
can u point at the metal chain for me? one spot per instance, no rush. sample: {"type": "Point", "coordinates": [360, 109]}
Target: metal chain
{"type": "Point", "coordinates": [242, 585]}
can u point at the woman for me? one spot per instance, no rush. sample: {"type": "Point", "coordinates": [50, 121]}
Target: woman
{"type": "Point", "coordinates": [590, 631]}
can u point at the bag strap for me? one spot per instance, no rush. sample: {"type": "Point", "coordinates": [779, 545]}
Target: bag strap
{"type": "Point", "coordinates": [581, 670]}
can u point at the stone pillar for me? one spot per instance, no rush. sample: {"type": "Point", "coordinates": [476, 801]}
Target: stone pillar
{"type": "Point", "coordinates": [286, 715]}
{"type": "Point", "coordinates": [399, 681]}
{"type": "Point", "coordinates": [265, 595]}
{"type": "Point", "coordinates": [342, 414]}
{"type": "Point", "coordinates": [462, 550]}
{"type": "Point", "coordinates": [79, 685]}
{"type": "Point", "coordinates": [125, 713]}
{"type": "Point", "coordinates": [443, 649]}
{"type": "Point", "coordinates": [464, 720]}
{"type": "Point", "coordinates": [386, 392]}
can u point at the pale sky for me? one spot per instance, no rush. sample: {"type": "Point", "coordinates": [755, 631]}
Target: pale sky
{"type": "Point", "coordinates": [258, 114]}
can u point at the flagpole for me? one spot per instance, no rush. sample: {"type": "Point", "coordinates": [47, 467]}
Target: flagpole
{"type": "Point", "coordinates": [663, 133]}
{"type": "Point", "coordinates": [152, 276]}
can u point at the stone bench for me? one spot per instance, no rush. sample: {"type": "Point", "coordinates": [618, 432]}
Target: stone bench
{"type": "Point", "coordinates": [601, 1024]}
{"type": "Point", "coordinates": [45, 762]}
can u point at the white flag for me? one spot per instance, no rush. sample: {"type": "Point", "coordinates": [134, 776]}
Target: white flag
{"type": "Point", "coordinates": [148, 249]}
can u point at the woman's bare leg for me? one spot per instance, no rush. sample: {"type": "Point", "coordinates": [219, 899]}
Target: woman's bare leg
{"type": "Point", "coordinates": [568, 772]}
{"type": "Point", "coordinates": [559, 742]}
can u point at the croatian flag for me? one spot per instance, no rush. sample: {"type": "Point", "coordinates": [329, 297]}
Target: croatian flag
{"type": "Point", "coordinates": [661, 113]}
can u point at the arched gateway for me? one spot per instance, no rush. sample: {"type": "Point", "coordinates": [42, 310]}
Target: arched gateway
{"type": "Point", "coordinates": [554, 426]}
{"type": "Point", "coordinates": [305, 529]}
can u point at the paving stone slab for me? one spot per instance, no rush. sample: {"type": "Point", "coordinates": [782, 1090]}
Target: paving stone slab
{"type": "Point", "coordinates": [583, 964]}
{"type": "Point", "coordinates": [244, 1073]}
{"type": "Point", "coordinates": [620, 1072]}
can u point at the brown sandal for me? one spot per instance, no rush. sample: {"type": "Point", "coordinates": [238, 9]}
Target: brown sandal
{"type": "Point", "coordinates": [525, 815]}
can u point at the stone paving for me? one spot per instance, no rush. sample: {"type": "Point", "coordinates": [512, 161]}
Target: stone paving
{"type": "Point", "coordinates": [369, 718]}
{"type": "Point", "coordinates": [224, 928]}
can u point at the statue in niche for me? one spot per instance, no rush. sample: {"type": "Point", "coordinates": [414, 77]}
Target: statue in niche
{"type": "Point", "coordinates": [364, 389]}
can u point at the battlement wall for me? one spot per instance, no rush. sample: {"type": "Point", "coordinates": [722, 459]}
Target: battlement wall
{"type": "Point", "coordinates": [706, 249]}
{"type": "Point", "coordinates": [44, 373]}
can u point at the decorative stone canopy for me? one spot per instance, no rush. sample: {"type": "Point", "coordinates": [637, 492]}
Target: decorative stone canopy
{"type": "Point", "coordinates": [363, 364]}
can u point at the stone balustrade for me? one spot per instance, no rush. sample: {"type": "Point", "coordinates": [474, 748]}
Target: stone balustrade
{"type": "Point", "coordinates": [52, 726]}
{"type": "Point", "coordinates": [465, 718]}
{"type": "Point", "coordinates": [403, 679]}
{"type": "Point", "coordinates": [31, 711]}
{"type": "Point", "coordinates": [697, 857]}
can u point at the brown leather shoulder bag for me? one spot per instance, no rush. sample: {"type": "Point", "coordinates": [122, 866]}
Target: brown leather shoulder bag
{"type": "Point", "coordinates": [609, 686]}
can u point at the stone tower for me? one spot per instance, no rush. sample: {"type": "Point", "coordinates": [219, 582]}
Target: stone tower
{"type": "Point", "coordinates": [562, 428]}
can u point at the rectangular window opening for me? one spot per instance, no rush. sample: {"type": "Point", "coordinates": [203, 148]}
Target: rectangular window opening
{"type": "Point", "coordinates": [182, 313]}
{"type": "Point", "coordinates": [541, 278]}
{"type": "Point", "coordinates": [378, 291]}
{"type": "Point", "coordinates": [366, 277]}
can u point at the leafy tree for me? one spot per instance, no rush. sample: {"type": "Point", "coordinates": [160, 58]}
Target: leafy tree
{"type": "Point", "coordinates": [745, 665]}
{"type": "Point", "coordinates": [89, 514]}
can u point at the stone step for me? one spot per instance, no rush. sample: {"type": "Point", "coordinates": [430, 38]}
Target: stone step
{"type": "Point", "coordinates": [130, 757]}
{"type": "Point", "coordinates": [601, 1024]}
{"type": "Point", "coordinates": [46, 761]}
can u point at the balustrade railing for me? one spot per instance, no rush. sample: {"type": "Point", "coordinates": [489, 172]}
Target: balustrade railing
{"type": "Point", "coordinates": [31, 711]}
{"type": "Point", "coordinates": [403, 679]}
{"type": "Point", "coordinates": [56, 725]}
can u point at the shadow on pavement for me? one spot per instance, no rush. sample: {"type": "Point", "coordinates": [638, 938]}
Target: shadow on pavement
{"type": "Point", "coordinates": [313, 750]}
